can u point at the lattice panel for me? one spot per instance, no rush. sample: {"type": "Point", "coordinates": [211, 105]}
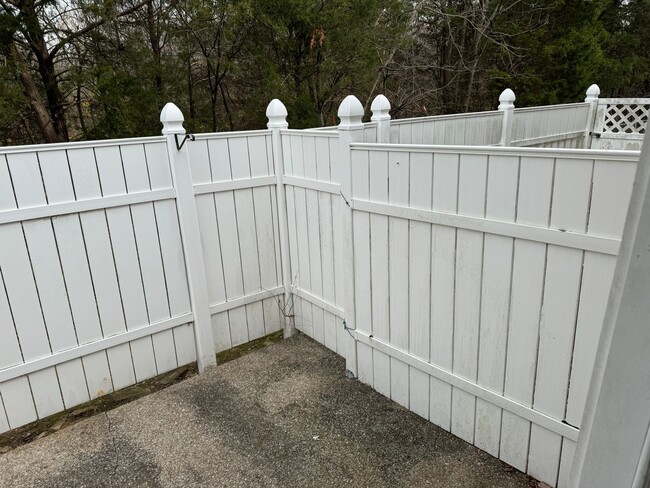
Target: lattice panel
{"type": "Point", "coordinates": [626, 119]}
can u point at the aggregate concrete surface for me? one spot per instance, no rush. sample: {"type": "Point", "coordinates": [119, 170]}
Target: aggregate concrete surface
{"type": "Point", "coordinates": [285, 415]}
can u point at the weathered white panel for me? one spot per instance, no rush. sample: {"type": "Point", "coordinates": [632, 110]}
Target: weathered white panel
{"type": "Point", "coordinates": [102, 266]}
{"type": "Point", "coordinates": [58, 185]}
{"type": "Point", "coordinates": [495, 300]}
{"type": "Point", "coordinates": [398, 193]}
{"type": "Point", "coordinates": [421, 181]}
{"type": "Point", "coordinates": [361, 230]}
{"type": "Point", "coordinates": [469, 263]}
{"type": "Point", "coordinates": [21, 287]}
{"type": "Point", "coordinates": [120, 222]}
{"type": "Point", "coordinates": [379, 269]}
{"type": "Point", "coordinates": [529, 262]}
{"type": "Point", "coordinates": [443, 265]}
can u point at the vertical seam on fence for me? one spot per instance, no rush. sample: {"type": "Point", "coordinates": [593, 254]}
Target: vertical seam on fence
{"type": "Point", "coordinates": [162, 259]}
{"type": "Point", "coordinates": [213, 198]}
{"type": "Point", "coordinates": [257, 238]}
{"type": "Point", "coordinates": [370, 324]}
{"type": "Point", "coordinates": [241, 259]}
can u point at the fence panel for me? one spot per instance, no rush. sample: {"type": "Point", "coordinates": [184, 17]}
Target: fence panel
{"type": "Point", "coordinates": [553, 126]}
{"type": "Point", "coordinates": [495, 265]}
{"type": "Point", "coordinates": [620, 123]}
{"type": "Point", "coordinates": [234, 180]}
{"type": "Point", "coordinates": [482, 128]}
{"type": "Point", "coordinates": [311, 177]}
{"type": "Point", "coordinates": [94, 294]}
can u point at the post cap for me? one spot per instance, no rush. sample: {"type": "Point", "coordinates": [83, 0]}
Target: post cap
{"type": "Point", "coordinates": [172, 119]}
{"type": "Point", "coordinates": [350, 112]}
{"type": "Point", "coordinates": [277, 113]}
{"type": "Point", "coordinates": [380, 108]}
{"type": "Point", "coordinates": [592, 93]}
{"type": "Point", "coordinates": [507, 99]}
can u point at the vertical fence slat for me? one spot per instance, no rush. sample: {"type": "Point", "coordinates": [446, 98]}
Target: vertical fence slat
{"type": "Point", "coordinates": [421, 181]}
{"type": "Point", "coordinates": [378, 192]}
{"type": "Point", "coordinates": [469, 261]}
{"type": "Point", "coordinates": [495, 301]}
{"type": "Point", "coordinates": [361, 242]}
{"type": "Point", "coordinates": [398, 194]}
{"type": "Point", "coordinates": [529, 262]}
{"type": "Point", "coordinates": [313, 236]}
{"type": "Point", "coordinates": [443, 265]}
{"type": "Point", "coordinates": [266, 234]}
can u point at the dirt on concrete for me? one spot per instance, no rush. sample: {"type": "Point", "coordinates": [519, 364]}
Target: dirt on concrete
{"type": "Point", "coordinates": [284, 415]}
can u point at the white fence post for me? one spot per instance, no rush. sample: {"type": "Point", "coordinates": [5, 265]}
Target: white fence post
{"type": "Point", "coordinates": [276, 112]}
{"type": "Point", "coordinates": [350, 130]}
{"type": "Point", "coordinates": [614, 443]}
{"type": "Point", "coordinates": [381, 114]}
{"type": "Point", "coordinates": [172, 120]}
{"type": "Point", "coordinates": [507, 106]}
{"type": "Point", "coordinates": [592, 99]}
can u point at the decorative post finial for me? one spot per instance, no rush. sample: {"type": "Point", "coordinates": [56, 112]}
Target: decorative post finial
{"type": "Point", "coordinates": [380, 108]}
{"type": "Point", "coordinates": [277, 113]}
{"type": "Point", "coordinates": [350, 112]}
{"type": "Point", "coordinates": [507, 99]}
{"type": "Point", "coordinates": [592, 93]}
{"type": "Point", "coordinates": [172, 119]}
{"type": "Point", "coordinates": [507, 107]}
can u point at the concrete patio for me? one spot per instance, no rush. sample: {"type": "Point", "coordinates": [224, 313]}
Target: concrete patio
{"type": "Point", "coordinates": [281, 416]}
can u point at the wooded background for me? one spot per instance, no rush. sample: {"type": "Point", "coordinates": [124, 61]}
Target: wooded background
{"type": "Point", "coordinates": [87, 69]}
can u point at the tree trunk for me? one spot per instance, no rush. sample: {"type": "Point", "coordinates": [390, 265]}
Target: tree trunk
{"type": "Point", "coordinates": [35, 99]}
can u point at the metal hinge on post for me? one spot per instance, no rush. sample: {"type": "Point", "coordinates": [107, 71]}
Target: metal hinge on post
{"type": "Point", "coordinates": [596, 134]}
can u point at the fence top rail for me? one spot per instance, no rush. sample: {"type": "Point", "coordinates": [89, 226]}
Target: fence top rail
{"type": "Point", "coordinates": [63, 146]}
{"type": "Point", "coordinates": [233, 134]}
{"type": "Point", "coordinates": [325, 128]}
{"type": "Point", "coordinates": [542, 108]}
{"type": "Point", "coordinates": [311, 133]}
{"type": "Point", "coordinates": [591, 154]}
{"type": "Point", "coordinates": [410, 120]}
{"type": "Point", "coordinates": [623, 101]}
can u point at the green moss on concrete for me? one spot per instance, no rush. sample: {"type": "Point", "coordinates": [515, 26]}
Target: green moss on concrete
{"type": "Point", "coordinates": [242, 350]}
{"type": "Point", "coordinates": [43, 427]}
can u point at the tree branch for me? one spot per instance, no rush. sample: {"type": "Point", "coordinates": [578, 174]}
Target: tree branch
{"type": "Point", "coordinates": [94, 25]}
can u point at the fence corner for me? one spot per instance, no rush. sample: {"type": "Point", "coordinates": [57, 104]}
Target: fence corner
{"type": "Point", "coordinates": [277, 113]}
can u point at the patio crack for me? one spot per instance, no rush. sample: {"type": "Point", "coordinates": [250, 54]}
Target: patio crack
{"type": "Point", "coordinates": [115, 452]}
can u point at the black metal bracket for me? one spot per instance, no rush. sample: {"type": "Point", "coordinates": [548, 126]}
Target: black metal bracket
{"type": "Point", "coordinates": [185, 138]}
{"type": "Point", "coordinates": [595, 134]}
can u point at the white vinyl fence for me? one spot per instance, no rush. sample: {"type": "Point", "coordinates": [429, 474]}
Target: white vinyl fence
{"type": "Point", "coordinates": [475, 279]}
{"type": "Point", "coordinates": [465, 281]}
{"type": "Point", "coordinates": [95, 293]}
{"type": "Point", "coordinates": [488, 273]}
{"type": "Point", "coordinates": [620, 123]}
